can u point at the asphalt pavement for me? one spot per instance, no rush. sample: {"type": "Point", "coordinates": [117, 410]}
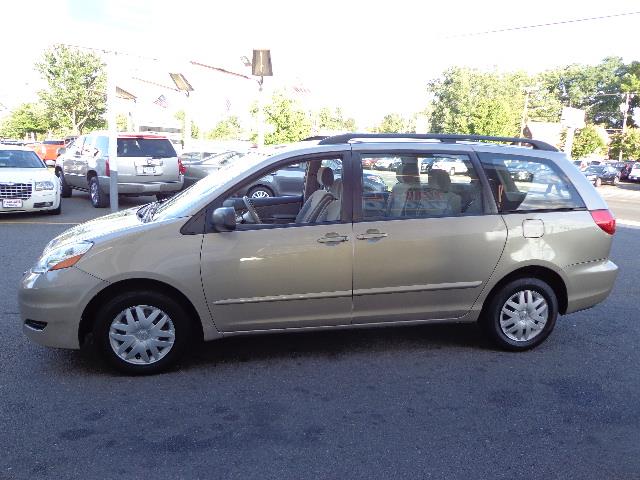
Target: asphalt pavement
{"type": "Point", "coordinates": [416, 402]}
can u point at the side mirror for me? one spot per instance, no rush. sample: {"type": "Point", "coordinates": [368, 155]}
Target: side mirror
{"type": "Point", "coordinates": [224, 219]}
{"type": "Point", "coordinates": [61, 151]}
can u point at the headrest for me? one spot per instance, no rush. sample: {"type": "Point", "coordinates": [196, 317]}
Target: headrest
{"type": "Point", "coordinates": [408, 173]}
{"type": "Point", "coordinates": [439, 179]}
{"type": "Point", "coordinates": [325, 176]}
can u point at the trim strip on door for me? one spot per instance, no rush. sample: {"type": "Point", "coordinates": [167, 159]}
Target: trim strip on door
{"type": "Point", "coordinates": [417, 288]}
{"type": "Point", "coordinates": [280, 298]}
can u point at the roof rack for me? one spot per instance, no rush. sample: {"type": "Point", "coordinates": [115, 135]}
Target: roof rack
{"type": "Point", "coordinates": [443, 137]}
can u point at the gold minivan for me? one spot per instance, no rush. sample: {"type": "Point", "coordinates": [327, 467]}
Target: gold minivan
{"type": "Point", "coordinates": [474, 244]}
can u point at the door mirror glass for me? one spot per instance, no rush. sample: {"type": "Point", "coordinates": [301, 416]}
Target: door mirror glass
{"type": "Point", "coordinates": [224, 219]}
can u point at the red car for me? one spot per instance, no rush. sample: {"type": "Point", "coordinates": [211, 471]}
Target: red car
{"type": "Point", "coordinates": [48, 151]}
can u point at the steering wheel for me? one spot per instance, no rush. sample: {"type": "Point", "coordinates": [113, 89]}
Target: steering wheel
{"type": "Point", "coordinates": [251, 209]}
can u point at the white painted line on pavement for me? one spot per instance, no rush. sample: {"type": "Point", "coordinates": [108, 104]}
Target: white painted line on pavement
{"type": "Point", "coordinates": [627, 223]}
{"type": "Point", "coordinates": [38, 223]}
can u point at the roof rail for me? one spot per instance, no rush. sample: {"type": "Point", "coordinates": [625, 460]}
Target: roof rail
{"type": "Point", "coordinates": [443, 137]}
{"type": "Point", "coordinates": [314, 137]}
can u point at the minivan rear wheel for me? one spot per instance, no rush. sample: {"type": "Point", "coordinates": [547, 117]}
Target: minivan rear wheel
{"type": "Point", "coordinates": [521, 314]}
{"type": "Point", "coordinates": [142, 332]}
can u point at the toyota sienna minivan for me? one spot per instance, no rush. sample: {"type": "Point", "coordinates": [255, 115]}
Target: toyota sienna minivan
{"type": "Point", "coordinates": [142, 284]}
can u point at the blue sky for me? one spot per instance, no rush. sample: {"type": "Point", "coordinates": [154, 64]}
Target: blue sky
{"type": "Point", "coordinates": [369, 57]}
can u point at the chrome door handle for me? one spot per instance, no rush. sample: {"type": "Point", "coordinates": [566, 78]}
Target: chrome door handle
{"type": "Point", "coordinates": [371, 234]}
{"type": "Point", "coordinates": [333, 238]}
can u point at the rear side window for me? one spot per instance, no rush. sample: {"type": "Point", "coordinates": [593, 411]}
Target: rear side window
{"type": "Point", "coordinates": [145, 147]}
{"type": "Point", "coordinates": [520, 183]}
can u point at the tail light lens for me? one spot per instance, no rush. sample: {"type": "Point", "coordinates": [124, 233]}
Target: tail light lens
{"type": "Point", "coordinates": [181, 168]}
{"type": "Point", "coordinates": [107, 169]}
{"type": "Point", "coordinates": [605, 220]}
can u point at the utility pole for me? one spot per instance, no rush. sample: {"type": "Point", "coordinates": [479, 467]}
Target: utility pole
{"type": "Point", "coordinates": [527, 92]}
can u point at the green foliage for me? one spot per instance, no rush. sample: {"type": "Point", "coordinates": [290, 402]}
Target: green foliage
{"type": "Point", "coordinates": [27, 118]}
{"type": "Point", "coordinates": [76, 94]}
{"type": "Point", "coordinates": [629, 143]}
{"type": "Point", "coordinates": [122, 123]}
{"type": "Point", "coordinates": [394, 123]}
{"type": "Point", "coordinates": [195, 130]}
{"type": "Point", "coordinates": [586, 142]}
{"type": "Point", "coordinates": [328, 120]}
{"type": "Point", "coordinates": [227, 129]}
{"type": "Point", "coordinates": [290, 122]}
{"type": "Point", "coordinates": [471, 101]}
{"type": "Point", "coordinates": [589, 87]}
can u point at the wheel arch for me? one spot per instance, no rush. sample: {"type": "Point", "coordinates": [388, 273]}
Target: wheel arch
{"type": "Point", "coordinates": [261, 185]}
{"type": "Point", "coordinates": [88, 315]}
{"type": "Point", "coordinates": [555, 281]}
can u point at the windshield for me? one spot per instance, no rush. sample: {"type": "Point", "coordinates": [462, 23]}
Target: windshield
{"type": "Point", "coordinates": [19, 159]}
{"type": "Point", "coordinates": [145, 147]}
{"type": "Point", "coordinates": [180, 204]}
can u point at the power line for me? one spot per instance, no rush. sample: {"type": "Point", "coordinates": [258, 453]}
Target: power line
{"type": "Point", "coordinates": [541, 25]}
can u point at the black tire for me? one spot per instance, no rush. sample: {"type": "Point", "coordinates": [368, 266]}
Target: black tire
{"type": "Point", "coordinates": [65, 189]}
{"type": "Point", "coordinates": [98, 199]}
{"type": "Point", "coordinates": [108, 313]}
{"type": "Point", "coordinates": [56, 211]}
{"type": "Point", "coordinates": [163, 196]}
{"type": "Point", "coordinates": [491, 314]}
{"type": "Point", "coordinates": [267, 192]}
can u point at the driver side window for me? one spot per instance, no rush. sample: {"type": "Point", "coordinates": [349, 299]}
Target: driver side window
{"type": "Point", "coordinates": [294, 194]}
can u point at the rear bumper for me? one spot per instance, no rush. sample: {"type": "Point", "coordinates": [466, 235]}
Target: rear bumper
{"type": "Point", "coordinates": [589, 283]}
{"type": "Point", "coordinates": [147, 188]}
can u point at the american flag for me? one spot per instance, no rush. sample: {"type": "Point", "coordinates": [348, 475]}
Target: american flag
{"type": "Point", "coordinates": [161, 101]}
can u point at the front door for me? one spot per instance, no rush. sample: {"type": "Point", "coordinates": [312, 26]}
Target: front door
{"type": "Point", "coordinates": [277, 276]}
{"type": "Point", "coordinates": [423, 249]}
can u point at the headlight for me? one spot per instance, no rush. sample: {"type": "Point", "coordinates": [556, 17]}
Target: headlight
{"type": "Point", "coordinates": [46, 185]}
{"type": "Point", "coordinates": [64, 256]}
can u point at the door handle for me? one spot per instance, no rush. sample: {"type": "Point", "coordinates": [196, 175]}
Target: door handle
{"type": "Point", "coordinates": [371, 233]}
{"type": "Point", "coordinates": [333, 237]}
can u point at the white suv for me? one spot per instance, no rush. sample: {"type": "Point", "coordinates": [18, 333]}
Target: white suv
{"type": "Point", "coordinates": [147, 165]}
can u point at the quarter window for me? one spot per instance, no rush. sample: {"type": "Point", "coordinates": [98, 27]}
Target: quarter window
{"type": "Point", "coordinates": [520, 183]}
{"type": "Point", "coordinates": [419, 186]}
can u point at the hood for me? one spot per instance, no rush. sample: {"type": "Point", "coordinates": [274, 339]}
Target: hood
{"type": "Point", "coordinates": [25, 175]}
{"type": "Point", "coordinates": [98, 228]}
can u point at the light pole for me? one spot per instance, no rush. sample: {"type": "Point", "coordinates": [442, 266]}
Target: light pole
{"type": "Point", "coordinates": [183, 85]}
{"type": "Point", "coordinates": [624, 109]}
{"type": "Point", "coordinates": [113, 131]}
{"type": "Point", "coordinates": [261, 67]}
{"type": "Point", "coordinates": [527, 91]}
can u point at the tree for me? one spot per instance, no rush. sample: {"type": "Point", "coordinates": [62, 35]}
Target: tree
{"type": "Point", "coordinates": [471, 101]}
{"type": "Point", "coordinates": [394, 123]}
{"type": "Point", "coordinates": [586, 142]}
{"type": "Point", "coordinates": [328, 120]}
{"type": "Point", "coordinates": [122, 122]}
{"type": "Point", "coordinates": [290, 123]}
{"type": "Point", "coordinates": [76, 94]}
{"type": "Point", "coordinates": [629, 143]}
{"type": "Point", "coordinates": [227, 129]}
{"type": "Point", "coordinates": [27, 118]}
{"type": "Point", "coordinates": [195, 130]}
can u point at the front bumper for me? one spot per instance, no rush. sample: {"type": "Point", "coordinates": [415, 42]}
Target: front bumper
{"type": "Point", "coordinates": [589, 283]}
{"type": "Point", "coordinates": [40, 200]}
{"type": "Point", "coordinates": [56, 300]}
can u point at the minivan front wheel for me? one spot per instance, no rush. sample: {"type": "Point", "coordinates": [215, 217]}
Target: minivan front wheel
{"type": "Point", "coordinates": [521, 314]}
{"type": "Point", "coordinates": [142, 332]}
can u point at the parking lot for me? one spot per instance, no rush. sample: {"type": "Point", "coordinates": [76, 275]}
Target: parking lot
{"type": "Point", "coordinates": [417, 402]}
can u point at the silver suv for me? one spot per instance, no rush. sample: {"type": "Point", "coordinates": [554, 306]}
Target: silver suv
{"type": "Point", "coordinates": [144, 283]}
{"type": "Point", "coordinates": [147, 165]}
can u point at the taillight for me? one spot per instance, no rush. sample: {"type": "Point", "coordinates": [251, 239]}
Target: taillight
{"type": "Point", "coordinates": [181, 168]}
{"type": "Point", "coordinates": [107, 169]}
{"type": "Point", "coordinates": [604, 220]}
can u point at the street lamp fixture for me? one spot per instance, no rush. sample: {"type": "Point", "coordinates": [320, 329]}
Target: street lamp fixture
{"type": "Point", "coordinates": [261, 67]}
{"type": "Point", "coordinates": [181, 82]}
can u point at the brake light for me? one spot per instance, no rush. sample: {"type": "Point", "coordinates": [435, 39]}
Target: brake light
{"type": "Point", "coordinates": [107, 169]}
{"type": "Point", "coordinates": [181, 168]}
{"type": "Point", "coordinates": [605, 220]}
